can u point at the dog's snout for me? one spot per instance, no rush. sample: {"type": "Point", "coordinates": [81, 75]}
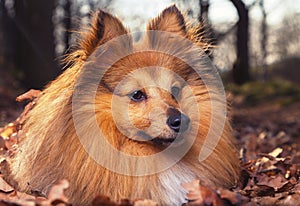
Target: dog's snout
{"type": "Point", "coordinates": [174, 122]}
{"type": "Point", "coordinates": [177, 121]}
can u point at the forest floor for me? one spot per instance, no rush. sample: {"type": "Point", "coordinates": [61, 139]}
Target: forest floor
{"type": "Point", "coordinates": [267, 133]}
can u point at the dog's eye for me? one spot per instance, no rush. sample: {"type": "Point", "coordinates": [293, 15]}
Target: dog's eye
{"type": "Point", "coordinates": [138, 96]}
{"type": "Point", "coordinates": [175, 91]}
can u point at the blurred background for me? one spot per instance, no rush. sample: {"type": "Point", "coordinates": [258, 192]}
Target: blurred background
{"type": "Point", "coordinates": [257, 47]}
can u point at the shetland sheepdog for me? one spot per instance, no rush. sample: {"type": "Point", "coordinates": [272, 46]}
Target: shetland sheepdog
{"type": "Point", "coordinates": [130, 119]}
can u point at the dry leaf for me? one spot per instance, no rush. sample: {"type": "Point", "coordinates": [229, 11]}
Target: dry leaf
{"type": "Point", "coordinates": [5, 187]}
{"type": "Point", "coordinates": [200, 194]}
{"type": "Point", "coordinates": [29, 95]}
{"type": "Point", "coordinates": [57, 191]}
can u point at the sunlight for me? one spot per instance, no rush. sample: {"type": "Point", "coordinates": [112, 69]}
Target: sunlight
{"type": "Point", "coordinates": [136, 12]}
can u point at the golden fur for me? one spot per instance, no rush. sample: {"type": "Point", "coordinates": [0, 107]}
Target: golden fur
{"type": "Point", "coordinates": [51, 150]}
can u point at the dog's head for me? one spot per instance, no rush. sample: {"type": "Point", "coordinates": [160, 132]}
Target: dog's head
{"type": "Point", "coordinates": [147, 85]}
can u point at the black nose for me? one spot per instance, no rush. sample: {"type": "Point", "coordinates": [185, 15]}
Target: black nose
{"type": "Point", "coordinates": [177, 121]}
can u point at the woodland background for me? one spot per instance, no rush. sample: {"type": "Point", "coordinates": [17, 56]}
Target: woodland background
{"type": "Point", "coordinates": [258, 60]}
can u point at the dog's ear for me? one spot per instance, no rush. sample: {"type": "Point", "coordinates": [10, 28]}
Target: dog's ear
{"type": "Point", "coordinates": [170, 20]}
{"type": "Point", "coordinates": [103, 28]}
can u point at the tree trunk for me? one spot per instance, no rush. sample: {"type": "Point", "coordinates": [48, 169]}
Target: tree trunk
{"type": "Point", "coordinates": [203, 16]}
{"type": "Point", "coordinates": [67, 24]}
{"type": "Point", "coordinates": [264, 40]}
{"type": "Point", "coordinates": [36, 56]}
{"type": "Point", "coordinates": [8, 30]}
{"type": "Point", "coordinates": [240, 69]}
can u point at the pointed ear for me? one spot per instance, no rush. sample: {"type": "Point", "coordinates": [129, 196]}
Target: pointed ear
{"type": "Point", "coordinates": [170, 20]}
{"type": "Point", "coordinates": [103, 28]}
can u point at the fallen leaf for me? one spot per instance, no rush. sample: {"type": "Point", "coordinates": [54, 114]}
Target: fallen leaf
{"type": "Point", "coordinates": [201, 194]}
{"type": "Point", "coordinates": [57, 191]}
{"type": "Point", "coordinates": [8, 130]}
{"type": "Point", "coordinates": [233, 197]}
{"type": "Point", "coordinates": [5, 187]}
{"type": "Point", "coordinates": [276, 152]}
{"type": "Point", "coordinates": [276, 182]}
{"type": "Point", "coordinates": [29, 95]}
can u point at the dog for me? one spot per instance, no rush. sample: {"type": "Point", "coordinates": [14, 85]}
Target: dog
{"type": "Point", "coordinates": [129, 119]}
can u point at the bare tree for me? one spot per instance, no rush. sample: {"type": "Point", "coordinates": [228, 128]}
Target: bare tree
{"type": "Point", "coordinates": [8, 37]}
{"type": "Point", "coordinates": [286, 42]}
{"type": "Point", "coordinates": [67, 23]}
{"type": "Point", "coordinates": [240, 68]}
{"type": "Point", "coordinates": [264, 39]}
{"type": "Point", "coordinates": [36, 55]}
{"type": "Point", "coordinates": [204, 6]}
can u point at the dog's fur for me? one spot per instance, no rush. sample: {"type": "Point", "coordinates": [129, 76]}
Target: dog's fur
{"type": "Point", "coordinates": [51, 150]}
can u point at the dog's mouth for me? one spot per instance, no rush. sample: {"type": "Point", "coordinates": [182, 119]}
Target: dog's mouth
{"type": "Point", "coordinates": [161, 141]}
